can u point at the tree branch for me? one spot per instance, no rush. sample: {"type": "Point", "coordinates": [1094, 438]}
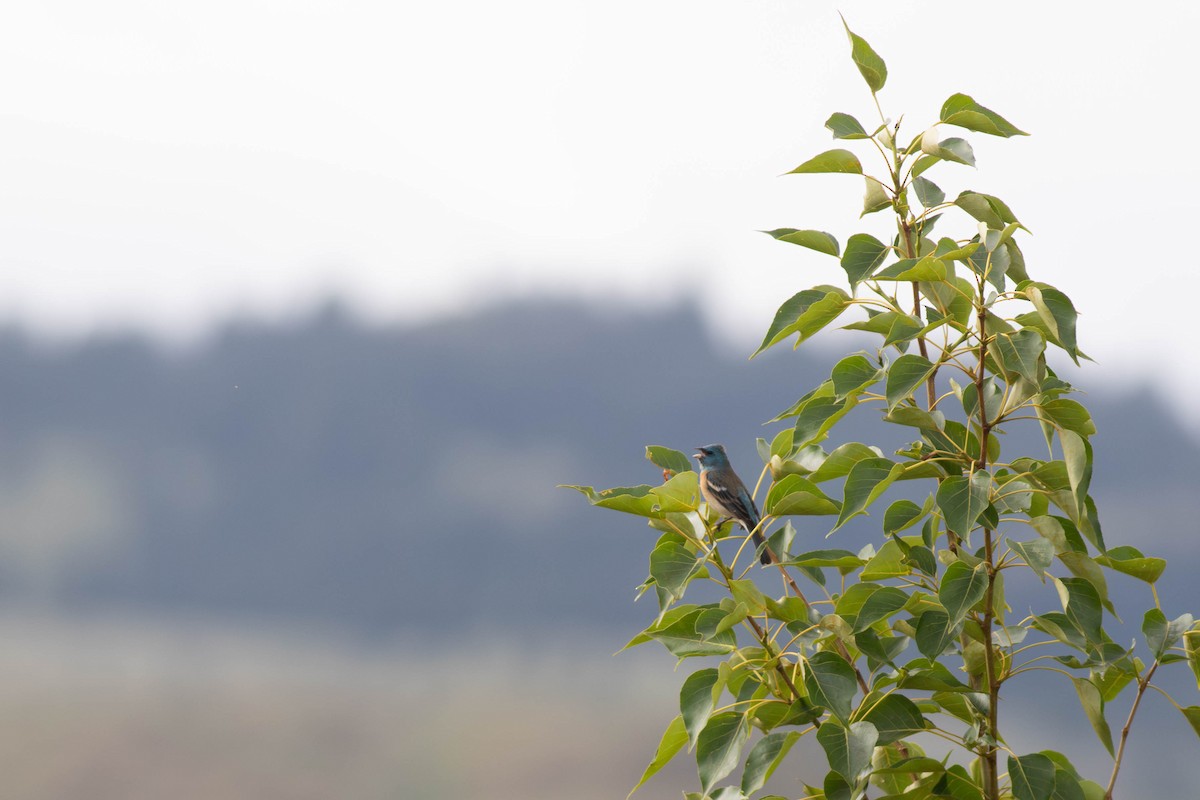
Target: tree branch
{"type": "Point", "coordinates": [1137, 701]}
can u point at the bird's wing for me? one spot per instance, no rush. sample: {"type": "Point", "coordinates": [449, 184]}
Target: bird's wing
{"type": "Point", "coordinates": [731, 495]}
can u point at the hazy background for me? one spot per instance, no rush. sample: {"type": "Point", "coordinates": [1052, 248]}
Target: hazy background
{"type": "Point", "coordinates": [306, 308]}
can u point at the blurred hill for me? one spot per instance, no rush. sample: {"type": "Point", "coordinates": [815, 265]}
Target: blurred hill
{"type": "Point", "coordinates": [325, 473]}
{"type": "Point", "coordinates": [394, 488]}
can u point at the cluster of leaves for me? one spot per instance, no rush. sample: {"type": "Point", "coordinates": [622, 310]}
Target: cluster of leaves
{"type": "Point", "coordinates": [912, 639]}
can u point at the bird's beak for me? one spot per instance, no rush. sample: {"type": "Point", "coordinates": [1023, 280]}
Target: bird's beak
{"type": "Point", "coordinates": [697, 455]}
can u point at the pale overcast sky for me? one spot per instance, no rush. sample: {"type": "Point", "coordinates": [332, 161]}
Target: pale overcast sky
{"type": "Point", "coordinates": [166, 164]}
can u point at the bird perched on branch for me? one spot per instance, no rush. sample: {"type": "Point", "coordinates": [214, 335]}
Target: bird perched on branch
{"type": "Point", "coordinates": [724, 491]}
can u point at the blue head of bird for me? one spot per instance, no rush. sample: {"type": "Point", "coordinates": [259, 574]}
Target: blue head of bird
{"type": "Point", "coordinates": [712, 456]}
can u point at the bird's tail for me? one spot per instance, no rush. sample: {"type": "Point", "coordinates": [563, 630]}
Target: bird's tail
{"type": "Point", "coordinates": [761, 545]}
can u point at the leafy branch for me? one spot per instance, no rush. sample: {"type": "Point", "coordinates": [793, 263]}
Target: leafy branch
{"type": "Point", "coordinates": [873, 670]}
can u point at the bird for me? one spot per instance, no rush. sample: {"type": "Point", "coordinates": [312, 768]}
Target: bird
{"type": "Point", "coordinates": [724, 491]}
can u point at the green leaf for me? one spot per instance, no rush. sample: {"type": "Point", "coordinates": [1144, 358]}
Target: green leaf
{"type": "Point", "coordinates": [696, 701]}
{"type": "Point", "coordinates": [830, 682]}
{"type": "Point", "coordinates": [880, 649]}
{"type": "Point", "coordinates": [962, 587]}
{"type": "Point", "coordinates": [673, 740]}
{"type": "Point", "coordinates": [818, 416]}
{"type": "Point", "coordinates": [923, 559]}
{"type": "Point", "coordinates": [929, 675]}
{"type": "Point", "coordinates": [962, 499]}
{"type": "Point", "coordinates": [1055, 530]}
{"type": "Point", "coordinates": [1016, 261]}
{"type": "Point", "coordinates": [992, 264]}
{"type": "Point", "coordinates": [934, 633]}
{"type": "Point", "coordinates": [668, 459]}
{"type": "Point", "coordinates": [1162, 635]}
{"type": "Point", "coordinates": [1082, 607]}
{"type": "Point", "coordinates": [672, 566]}
{"type": "Point", "coordinates": [914, 417]}
{"type": "Point", "coordinates": [986, 208]}
{"type": "Point", "coordinates": [1061, 628]}
{"type": "Point", "coordinates": [951, 298]}
{"type": "Point", "coordinates": [875, 197]}
{"type": "Point", "coordinates": [887, 563]}
{"type": "Point", "coordinates": [723, 793]}
{"type": "Point", "coordinates": [1077, 456]}
{"type": "Point", "coordinates": [666, 618]}
{"type": "Point", "coordinates": [1038, 554]}
{"type": "Point", "coordinates": [1192, 715]}
{"type": "Point", "coordinates": [854, 374]}
{"type": "Point", "coordinates": [1064, 413]}
{"type": "Point", "coordinates": [867, 480]}
{"type": "Point", "coordinates": [630, 499]}
{"type": "Point", "coordinates": [764, 757]}
{"type": "Point", "coordinates": [732, 618]}
{"type": "Point", "coordinates": [1130, 561]}
{"type": "Point", "coordinates": [851, 601]}
{"type": "Point", "coordinates": [929, 268]}
{"type": "Point", "coordinates": [712, 624]}
{"type": "Point", "coordinates": [848, 750]}
{"type": "Point", "coordinates": [683, 639]}
{"type": "Point", "coordinates": [747, 591]}
{"type": "Point", "coordinates": [992, 399]}
{"type": "Point", "coordinates": [963, 111]}
{"type": "Point", "coordinates": [950, 250]}
{"type": "Point", "coordinates": [894, 327]}
{"type": "Point", "coordinates": [1057, 313]}
{"type": "Point", "coordinates": [1032, 777]}
{"type": "Point", "coordinates": [1093, 706]}
{"type": "Point", "coordinates": [928, 192]}
{"type": "Point", "coordinates": [834, 787]}
{"type": "Point", "coordinates": [960, 785]}
{"type": "Point", "coordinates": [952, 149]}
{"type": "Point", "coordinates": [881, 604]}
{"type": "Point", "coordinates": [840, 161]}
{"type": "Point", "coordinates": [869, 64]}
{"type": "Point", "coordinates": [1067, 786]}
{"type": "Point", "coordinates": [820, 241]}
{"type": "Point", "coordinates": [797, 495]}
{"type": "Point", "coordinates": [1014, 495]}
{"type": "Point", "coordinates": [1191, 645]}
{"type": "Point", "coordinates": [719, 747]}
{"type": "Point", "coordinates": [910, 765]}
{"type": "Point", "coordinates": [842, 460]}
{"type": "Point", "coordinates": [1082, 566]}
{"type": "Point", "coordinates": [805, 313]}
{"type": "Point", "coordinates": [1019, 354]}
{"type": "Point", "coordinates": [960, 704]}
{"type": "Point", "coordinates": [904, 375]}
{"type": "Point", "coordinates": [894, 717]}
{"type": "Point", "coordinates": [680, 493]}
{"type": "Point", "coordinates": [845, 126]}
{"type": "Point", "coordinates": [841, 559]}
{"type": "Point", "coordinates": [902, 329]}
{"type": "Point", "coordinates": [864, 253]}
{"type": "Point", "coordinates": [1090, 523]}
{"type": "Point", "coordinates": [901, 515]}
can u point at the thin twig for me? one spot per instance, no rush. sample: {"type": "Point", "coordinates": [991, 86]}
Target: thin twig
{"type": "Point", "coordinates": [1142, 684]}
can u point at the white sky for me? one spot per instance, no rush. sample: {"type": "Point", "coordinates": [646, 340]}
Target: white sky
{"type": "Point", "coordinates": [163, 165]}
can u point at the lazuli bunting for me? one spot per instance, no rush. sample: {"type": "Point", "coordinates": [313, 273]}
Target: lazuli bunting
{"type": "Point", "coordinates": [724, 491]}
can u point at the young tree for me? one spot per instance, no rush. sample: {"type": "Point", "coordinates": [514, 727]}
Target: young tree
{"type": "Point", "coordinates": [912, 639]}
